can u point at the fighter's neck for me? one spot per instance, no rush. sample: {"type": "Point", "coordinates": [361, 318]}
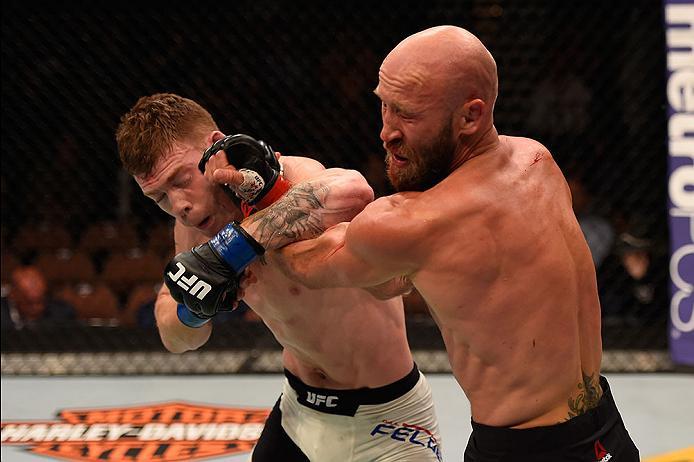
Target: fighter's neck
{"type": "Point", "coordinates": [474, 146]}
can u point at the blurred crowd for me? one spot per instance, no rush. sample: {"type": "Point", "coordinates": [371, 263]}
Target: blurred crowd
{"type": "Point", "coordinates": [81, 244]}
{"type": "Point", "coordinates": [107, 276]}
{"type": "Point", "coordinates": [111, 272]}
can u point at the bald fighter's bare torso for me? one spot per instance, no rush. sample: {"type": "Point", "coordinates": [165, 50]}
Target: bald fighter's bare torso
{"type": "Point", "coordinates": [512, 289]}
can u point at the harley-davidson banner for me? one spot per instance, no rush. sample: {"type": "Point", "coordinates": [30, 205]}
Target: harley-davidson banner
{"type": "Point", "coordinates": [167, 432]}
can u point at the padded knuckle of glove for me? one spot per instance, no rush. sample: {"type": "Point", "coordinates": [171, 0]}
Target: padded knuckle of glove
{"type": "Point", "coordinates": [253, 158]}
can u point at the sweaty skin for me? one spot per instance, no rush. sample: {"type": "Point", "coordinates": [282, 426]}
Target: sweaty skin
{"type": "Point", "coordinates": [490, 242]}
{"type": "Point", "coordinates": [340, 338]}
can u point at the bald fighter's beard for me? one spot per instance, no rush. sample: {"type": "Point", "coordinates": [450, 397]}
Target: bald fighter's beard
{"type": "Point", "coordinates": [426, 166]}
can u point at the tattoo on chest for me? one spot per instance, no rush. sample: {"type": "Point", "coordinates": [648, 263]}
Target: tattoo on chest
{"type": "Point", "coordinates": [296, 216]}
{"type": "Point", "coordinates": [587, 397]}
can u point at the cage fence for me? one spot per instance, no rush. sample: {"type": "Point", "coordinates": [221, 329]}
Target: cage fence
{"type": "Point", "coordinates": [586, 79]}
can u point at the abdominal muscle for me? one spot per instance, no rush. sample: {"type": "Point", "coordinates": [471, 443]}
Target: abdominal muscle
{"type": "Point", "coordinates": [333, 338]}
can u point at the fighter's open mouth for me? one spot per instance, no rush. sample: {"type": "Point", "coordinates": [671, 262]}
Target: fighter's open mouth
{"type": "Point", "coordinates": [203, 223]}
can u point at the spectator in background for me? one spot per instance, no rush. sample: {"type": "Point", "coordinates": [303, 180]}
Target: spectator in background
{"type": "Point", "coordinates": [28, 303]}
{"type": "Point", "coordinates": [631, 290]}
{"type": "Point", "coordinates": [598, 231]}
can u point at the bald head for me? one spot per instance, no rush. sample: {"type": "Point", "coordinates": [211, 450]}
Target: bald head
{"type": "Point", "coordinates": [437, 90]}
{"type": "Point", "coordinates": [28, 291]}
{"type": "Point", "coordinates": [447, 61]}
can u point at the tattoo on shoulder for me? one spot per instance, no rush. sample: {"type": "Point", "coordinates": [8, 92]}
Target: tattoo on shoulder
{"type": "Point", "coordinates": [587, 397]}
{"type": "Point", "coordinates": [296, 216]}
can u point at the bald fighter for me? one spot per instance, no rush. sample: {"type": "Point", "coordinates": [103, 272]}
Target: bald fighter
{"type": "Point", "coordinates": [483, 228]}
{"type": "Point", "coordinates": [352, 391]}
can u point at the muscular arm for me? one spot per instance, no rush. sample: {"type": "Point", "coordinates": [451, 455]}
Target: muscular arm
{"type": "Point", "coordinates": [313, 206]}
{"type": "Point", "coordinates": [310, 207]}
{"type": "Point", "coordinates": [320, 198]}
{"type": "Point", "coordinates": [374, 251]}
{"type": "Point", "coordinates": [177, 337]}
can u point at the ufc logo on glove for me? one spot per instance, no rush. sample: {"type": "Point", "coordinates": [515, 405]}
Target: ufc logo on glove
{"type": "Point", "coordinates": [199, 290]}
{"type": "Point", "coordinates": [221, 262]}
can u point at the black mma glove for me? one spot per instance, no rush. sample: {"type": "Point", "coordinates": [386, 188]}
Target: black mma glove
{"type": "Point", "coordinates": [206, 278]}
{"type": "Point", "coordinates": [263, 183]}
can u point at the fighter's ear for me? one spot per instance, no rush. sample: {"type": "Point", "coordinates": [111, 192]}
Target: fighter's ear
{"type": "Point", "coordinates": [214, 136]}
{"type": "Point", "coordinates": [470, 116]}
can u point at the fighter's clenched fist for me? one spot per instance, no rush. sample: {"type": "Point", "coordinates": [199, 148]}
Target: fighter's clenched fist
{"type": "Point", "coordinates": [206, 279]}
{"type": "Point", "coordinates": [255, 175]}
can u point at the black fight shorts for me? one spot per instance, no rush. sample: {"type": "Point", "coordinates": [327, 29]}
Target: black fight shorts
{"type": "Point", "coordinates": [598, 435]}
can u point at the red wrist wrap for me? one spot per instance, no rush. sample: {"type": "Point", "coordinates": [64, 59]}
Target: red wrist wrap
{"type": "Point", "coordinates": [280, 187]}
{"type": "Point", "coordinates": [246, 209]}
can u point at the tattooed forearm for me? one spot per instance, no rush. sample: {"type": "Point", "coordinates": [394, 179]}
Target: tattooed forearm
{"type": "Point", "coordinates": [296, 216]}
{"type": "Point", "coordinates": [589, 393]}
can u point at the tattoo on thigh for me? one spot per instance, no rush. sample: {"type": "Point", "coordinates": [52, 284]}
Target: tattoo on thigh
{"type": "Point", "coordinates": [587, 398]}
{"type": "Point", "coordinates": [296, 216]}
